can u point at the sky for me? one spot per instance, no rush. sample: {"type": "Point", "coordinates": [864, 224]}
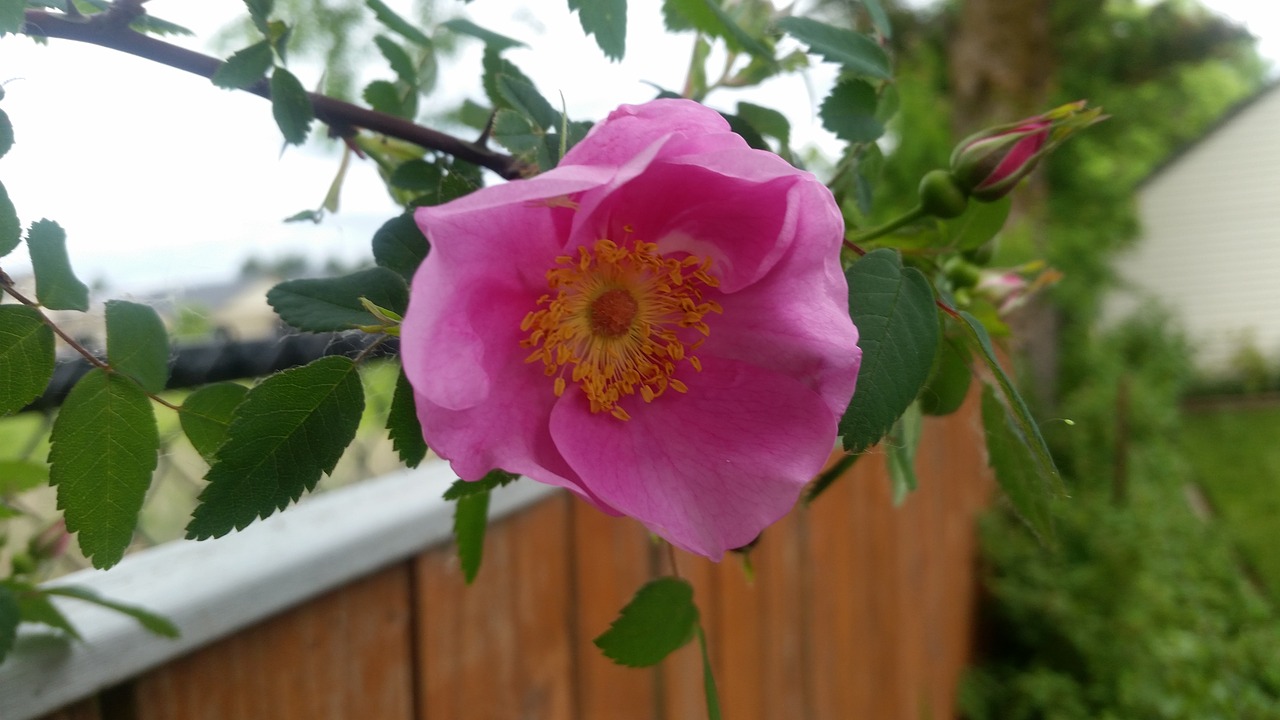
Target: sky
{"type": "Point", "coordinates": [161, 180]}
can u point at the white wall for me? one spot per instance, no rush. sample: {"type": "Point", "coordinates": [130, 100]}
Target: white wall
{"type": "Point", "coordinates": [1210, 247]}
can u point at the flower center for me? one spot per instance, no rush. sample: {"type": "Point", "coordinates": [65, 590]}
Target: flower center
{"type": "Point", "coordinates": [620, 320]}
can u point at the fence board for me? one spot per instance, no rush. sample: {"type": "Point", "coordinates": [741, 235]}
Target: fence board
{"type": "Point", "coordinates": [343, 655]}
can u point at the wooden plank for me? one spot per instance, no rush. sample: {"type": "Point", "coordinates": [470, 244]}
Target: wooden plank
{"type": "Point", "coordinates": [502, 646]}
{"type": "Point", "coordinates": [783, 610]}
{"type": "Point", "coordinates": [612, 559]}
{"type": "Point", "coordinates": [345, 654]}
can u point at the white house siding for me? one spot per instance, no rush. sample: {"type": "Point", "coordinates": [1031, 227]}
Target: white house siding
{"type": "Point", "coordinates": [1210, 245]}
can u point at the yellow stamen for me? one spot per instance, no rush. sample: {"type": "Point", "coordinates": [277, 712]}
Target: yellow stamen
{"type": "Point", "coordinates": [619, 320]}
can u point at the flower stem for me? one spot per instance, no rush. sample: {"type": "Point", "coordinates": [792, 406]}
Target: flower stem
{"type": "Point", "coordinates": [910, 216]}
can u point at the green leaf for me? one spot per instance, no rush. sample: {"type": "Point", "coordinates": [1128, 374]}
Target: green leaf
{"type": "Point", "coordinates": [979, 223]}
{"type": "Point", "coordinates": [949, 380]}
{"type": "Point", "coordinates": [18, 476]}
{"type": "Point", "coordinates": [1014, 463]}
{"type": "Point", "coordinates": [103, 450]}
{"type": "Point", "coordinates": [35, 607]}
{"type": "Point", "coordinates": [403, 426]}
{"type": "Point", "coordinates": [206, 414]}
{"type": "Point", "coordinates": [388, 17]}
{"type": "Point", "coordinates": [470, 517]}
{"type": "Point", "coordinates": [1026, 433]}
{"type": "Point", "coordinates": [245, 67]}
{"type": "Point", "coordinates": [897, 322]}
{"type": "Point", "coordinates": [10, 613]}
{"type": "Point", "coordinates": [401, 64]}
{"type": "Point", "coordinates": [26, 357]}
{"type": "Point", "coordinates": [399, 245]}
{"type": "Point", "coordinates": [879, 18]}
{"type": "Point", "coordinates": [496, 66]}
{"type": "Point", "coordinates": [767, 121]}
{"type": "Point", "coordinates": [659, 620]}
{"type": "Point", "coordinates": [901, 445]}
{"type": "Point", "coordinates": [385, 97]}
{"type": "Point", "coordinates": [6, 135]}
{"type": "Point", "coordinates": [607, 21]}
{"type": "Point", "coordinates": [494, 41]}
{"type": "Point", "coordinates": [291, 106]}
{"type": "Point", "coordinates": [12, 17]}
{"type": "Point", "coordinates": [492, 480]}
{"type": "Point", "coordinates": [708, 678]}
{"type": "Point", "coordinates": [57, 287]}
{"type": "Point", "coordinates": [314, 216]}
{"type": "Point", "coordinates": [417, 176]}
{"type": "Point", "coordinates": [707, 16]}
{"type": "Point", "coordinates": [525, 98]}
{"type": "Point", "coordinates": [746, 131]}
{"type": "Point", "coordinates": [858, 53]}
{"type": "Point", "coordinates": [149, 620]}
{"type": "Point", "coordinates": [137, 344]}
{"type": "Point", "coordinates": [290, 428]}
{"type": "Point", "coordinates": [10, 229]}
{"type": "Point", "coordinates": [850, 112]}
{"type": "Point", "coordinates": [333, 304]}
{"type": "Point", "coordinates": [260, 12]}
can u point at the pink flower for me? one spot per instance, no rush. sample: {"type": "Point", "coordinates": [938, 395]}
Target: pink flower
{"type": "Point", "coordinates": [660, 325]}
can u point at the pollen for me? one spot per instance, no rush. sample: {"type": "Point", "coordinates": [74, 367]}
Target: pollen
{"type": "Point", "coordinates": [620, 320]}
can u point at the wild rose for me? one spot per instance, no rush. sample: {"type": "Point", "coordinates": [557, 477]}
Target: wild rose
{"type": "Point", "coordinates": [660, 324]}
{"type": "Point", "coordinates": [989, 164]}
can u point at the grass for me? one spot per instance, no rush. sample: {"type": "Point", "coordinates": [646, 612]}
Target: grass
{"type": "Point", "coordinates": [1235, 455]}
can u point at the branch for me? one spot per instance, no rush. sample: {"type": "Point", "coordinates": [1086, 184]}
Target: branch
{"type": "Point", "coordinates": [106, 30]}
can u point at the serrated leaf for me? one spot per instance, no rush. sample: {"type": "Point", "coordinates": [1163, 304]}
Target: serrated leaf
{"type": "Point", "coordinates": [385, 97]}
{"type": "Point", "coordinates": [879, 18]}
{"type": "Point", "coordinates": [6, 136]}
{"type": "Point", "coordinates": [659, 620]}
{"type": "Point", "coordinates": [491, 481]}
{"type": "Point", "coordinates": [767, 121]}
{"type": "Point", "coordinates": [10, 613]}
{"type": "Point", "coordinates": [388, 17]}
{"type": "Point", "coordinates": [496, 66]}
{"type": "Point", "coordinates": [893, 308]}
{"type": "Point", "coordinates": [138, 344]}
{"type": "Point", "coordinates": [417, 176]}
{"type": "Point", "coordinates": [949, 381]}
{"type": "Point", "coordinates": [607, 21]}
{"type": "Point", "coordinates": [470, 518]}
{"type": "Point", "coordinates": [901, 445]}
{"type": "Point", "coordinates": [399, 245]}
{"type": "Point", "coordinates": [10, 229]}
{"type": "Point", "coordinates": [403, 426]}
{"type": "Point", "coordinates": [1010, 456]}
{"type": "Point", "coordinates": [19, 476]}
{"type": "Point", "coordinates": [707, 16]}
{"type": "Point", "coordinates": [525, 98]}
{"type": "Point", "coordinates": [398, 58]}
{"type": "Point", "coordinates": [333, 304]}
{"type": "Point", "coordinates": [291, 427]}
{"type": "Point", "coordinates": [206, 414]}
{"type": "Point", "coordinates": [858, 53]}
{"type": "Point", "coordinates": [260, 12]}
{"type": "Point", "coordinates": [103, 449]}
{"type": "Point", "coordinates": [1018, 417]}
{"type": "Point", "coordinates": [979, 223]}
{"type": "Point", "coordinates": [850, 112]}
{"type": "Point", "coordinates": [26, 357]}
{"type": "Point", "coordinates": [291, 106]}
{"type": "Point", "coordinates": [12, 17]}
{"type": "Point", "coordinates": [152, 622]}
{"type": "Point", "coordinates": [57, 287]}
{"type": "Point", "coordinates": [746, 131]}
{"type": "Point", "coordinates": [494, 41]}
{"type": "Point", "coordinates": [245, 67]}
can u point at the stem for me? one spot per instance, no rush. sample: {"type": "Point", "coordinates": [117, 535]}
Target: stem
{"type": "Point", "coordinates": [7, 285]}
{"type": "Point", "coordinates": [106, 30]}
{"type": "Point", "coordinates": [906, 218]}
{"type": "Point", "coordinates": [671, 557]}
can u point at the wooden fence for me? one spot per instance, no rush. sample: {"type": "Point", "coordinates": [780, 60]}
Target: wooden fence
{"type": "Point", "coordinates": [857, 609]}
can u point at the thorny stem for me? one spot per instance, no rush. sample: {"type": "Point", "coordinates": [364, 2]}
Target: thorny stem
{"type": "Point", "coordinates": [6, 284]}
{"type": "Point", "coordinates": [110, 29]}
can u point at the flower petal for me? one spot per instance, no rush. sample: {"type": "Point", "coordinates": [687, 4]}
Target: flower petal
{"type": "Point", "coordinates": [632, 128]}
{"type": "Point", "coordinates": [709, 469]}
